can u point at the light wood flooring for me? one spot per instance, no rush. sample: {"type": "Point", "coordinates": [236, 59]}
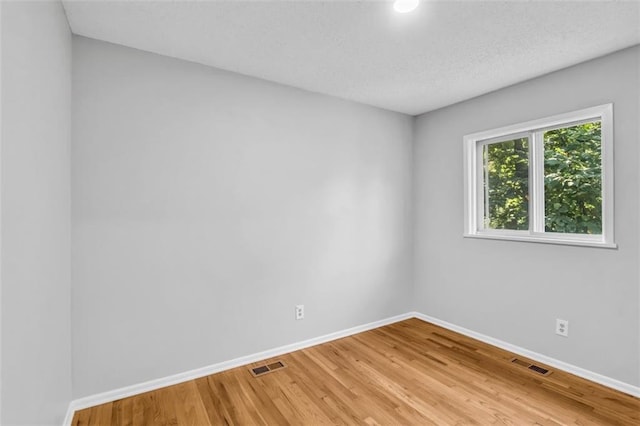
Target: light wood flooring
{"type": "Point", "coordinates": [407, 373]}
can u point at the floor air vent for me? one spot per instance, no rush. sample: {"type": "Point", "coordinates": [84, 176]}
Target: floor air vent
{"type": "Point", "coordinates": [540, 370]}
{"type": "Point", "coordinates": [268, 368]}
{"type": "Point", "coordinates": [532, 367]}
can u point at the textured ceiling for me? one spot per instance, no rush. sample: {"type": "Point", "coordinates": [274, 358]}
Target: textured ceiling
{"type": "Point", "coordinates": [444, 52]}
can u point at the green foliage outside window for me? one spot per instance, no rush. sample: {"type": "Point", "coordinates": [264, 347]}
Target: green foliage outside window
{"type": "Point", "coordinates": [572, 181]}
{"type": "Point", "coordinates": [507, 184]}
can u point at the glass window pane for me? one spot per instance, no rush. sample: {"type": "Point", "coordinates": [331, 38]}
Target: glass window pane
{"type": "Point", "coordinates": [506, 184]}
{"type": "Point", "coordinates": [573, 179]}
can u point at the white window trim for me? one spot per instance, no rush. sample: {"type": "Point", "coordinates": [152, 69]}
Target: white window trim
{"type": "Point", "coordinates": [473, 200]}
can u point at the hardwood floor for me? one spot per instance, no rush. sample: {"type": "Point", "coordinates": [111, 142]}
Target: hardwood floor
{"type": "Point", "coordinates": [410, 372]}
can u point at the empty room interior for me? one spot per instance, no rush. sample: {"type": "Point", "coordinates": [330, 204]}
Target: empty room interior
{"type": "Point", "coordinates": [411, 212]}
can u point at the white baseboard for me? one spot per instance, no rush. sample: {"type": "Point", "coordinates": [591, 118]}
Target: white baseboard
{"type": "Point", "coordinates": [561, 365]}
{"type": "Point", "coordinates": [105, 397]}
{"type": "Point", "coordinates": [68, 418]}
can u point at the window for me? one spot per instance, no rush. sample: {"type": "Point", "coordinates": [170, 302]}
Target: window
{"type": "Point", "coordinates": [548, 180]}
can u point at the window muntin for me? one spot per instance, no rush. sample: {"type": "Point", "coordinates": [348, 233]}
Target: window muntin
{"type": "Point", "coordinates": [548, 180]}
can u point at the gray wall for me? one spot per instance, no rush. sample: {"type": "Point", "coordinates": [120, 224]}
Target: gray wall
{"type": "Point", "coordinates": [207, 204]}
{"type": "Point", "coordinates": [35, 312]}
{"type": "Point", "coordinates": [514, 291]}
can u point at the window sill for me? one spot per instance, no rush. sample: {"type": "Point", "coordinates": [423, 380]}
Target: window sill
{"type": "Point", "coordinates": [544, 240]}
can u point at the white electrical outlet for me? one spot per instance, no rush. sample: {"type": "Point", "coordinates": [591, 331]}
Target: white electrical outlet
{"type": "Point", "coordinates": [299, 312]}
{"type": "Point", "coordinates": [562, 327]}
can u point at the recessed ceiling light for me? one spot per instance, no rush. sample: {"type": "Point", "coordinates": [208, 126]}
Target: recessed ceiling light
{"type": "Point", "coordinates": [404, 6]}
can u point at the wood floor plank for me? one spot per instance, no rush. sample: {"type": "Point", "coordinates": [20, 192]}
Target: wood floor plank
{"type": "Point", "coordinates": [104, 414]}
{"type": "Point", "coordinates": [123, 412]}
{"type": "Point", "coordinates": [188, 405]}
{"type": "Point", "coordinates": [81, 417]}
{"type": "Point", "coordinates": [410, 372]}
{"type": "Point", "coordinates": [217, 401]}
{"type": "Point", "coordinates": [214, 407]}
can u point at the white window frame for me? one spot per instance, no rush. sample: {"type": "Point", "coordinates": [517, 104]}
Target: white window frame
{"type": "Point", "coordinates": [473, 179]}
